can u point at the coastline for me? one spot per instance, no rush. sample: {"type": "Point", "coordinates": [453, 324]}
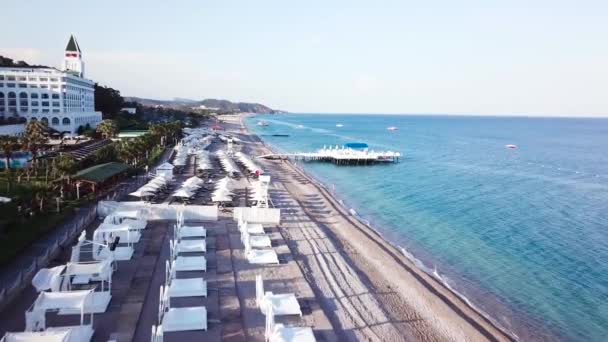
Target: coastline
{"type": "Point", "coordinates": [450, 314]}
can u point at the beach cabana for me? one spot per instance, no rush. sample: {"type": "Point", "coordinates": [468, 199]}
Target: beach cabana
{"type": "Point", "coordinates": [276, 332]}
{"type": "Point", "coordinates": [37, 336]}
{"type": "Point", "coordinates": [48, 302]}
{"type": "Point", "coordinates": [106, 233]}
{"type": "Point", "coordinates": [281, 304]}
{"type": "Point", "coordinates": [102, 174]}
{"type": "Point", "coordinates": [180, 319]}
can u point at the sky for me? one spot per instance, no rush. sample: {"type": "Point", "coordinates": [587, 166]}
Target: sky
{"type": "Point", "coordinates": [404, 57]}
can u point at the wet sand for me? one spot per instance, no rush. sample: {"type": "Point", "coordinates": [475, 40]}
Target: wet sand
{"type": "Point", "coordinates": [367, 287]}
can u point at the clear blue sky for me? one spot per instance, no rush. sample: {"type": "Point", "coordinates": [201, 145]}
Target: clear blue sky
{"type": "Point", "coordinates": [459, 57]}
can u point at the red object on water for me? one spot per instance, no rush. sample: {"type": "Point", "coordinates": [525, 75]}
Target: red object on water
{"type": "Point", "coordinates": [257, 173]}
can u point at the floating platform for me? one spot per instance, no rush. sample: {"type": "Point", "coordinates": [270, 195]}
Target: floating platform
{"type": "Point", "coordinates": [340, 156]}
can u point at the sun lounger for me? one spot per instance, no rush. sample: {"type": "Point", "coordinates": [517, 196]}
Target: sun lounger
{"type": "Point", "coordinates": [281, 304]}
{"type": "Point", "coordinates": [187, 263]}
{"type": "Point", "coordinates": [180, 319]}
{"type": "Point", "coordinates": [252, 228]}
{"type": "Point", "coordinates": [276, 332]}
{"type": "Point", "coordinates": [189, 287]}
{"type": "Point", "coordinates": [189, 232]}
{"type": "Point", "coordinates": [256, 241]}
{"type": "Point", "coordinates": [192, 246]}
{"type": "Point", "coordinates": [260, 256]}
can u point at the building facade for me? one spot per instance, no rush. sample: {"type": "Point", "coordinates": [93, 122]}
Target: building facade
{"type": "Point", "coordinates": [63, 99]}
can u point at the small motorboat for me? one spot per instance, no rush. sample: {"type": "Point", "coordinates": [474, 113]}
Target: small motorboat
{"type": "Point", "coordinates": [262, 123]}
{"type": "Point", "coordinates": [339, 125]}
{"type": "Point", "coordinates": [392, 128]}
{"type": "Point", "coordinates": [511, 146]}
{"type": "Point", "coordinates": [300, 126]}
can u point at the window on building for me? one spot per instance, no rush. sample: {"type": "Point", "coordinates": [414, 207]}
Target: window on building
{"type": "Point", "coordinates": [34, 111]}
{"type": "Point", "coordinates": [55, 121]}
{"type": "Point", "coordinates": [1, 77]}
{"type": "Point", "coordinates": [43, 79]}
{"type": "Point", "coordinates": [34, 95]}
{"type": "Point", "coordinates": [45, 111]}
{"type": "Point", "coordinates": [56, 104]}
{"type": "Point", "coordinates": [56, 111]}
{"type": "Point", "coordinates": [66, 121]}
{"type": "Point", "coordinates": [55, 96]}
{"type": "Point", "coordinates": [45, 103]}
{"type": "Point", "coordinates": [45, 96]}
{"type": "Point", "coordinates": [54, 79]}
{"type": "Point", "coordinates": [22, 85]}
{"type": "Point", "coordinates": [44, 86]}
{"type": "Point", "coordinates": [10, 78]}
{"type": "Point", "coordinates": [33, 86]}
{"type": "Point", "coordinates": [44, 119]}
{"type": "Point", "coordinates": [54, 86]}
{"type": "Point", "coordinates": [21, 78]}
{"type": "Point", "coordinates": [23, 103]}
{"type": "Point", "coordinates": [33, 79]}
{"type": "Point", "coordinates": [10, 85]}
{"type": "Point", "coordinates": [35, 103]}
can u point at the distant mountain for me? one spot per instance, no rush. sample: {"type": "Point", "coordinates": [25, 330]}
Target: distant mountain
{"type": "Point", "coordinates": [221, 106]}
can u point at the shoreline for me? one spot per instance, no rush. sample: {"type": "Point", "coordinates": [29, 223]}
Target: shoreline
{"type": "Point", "coordinates": [484, 325]}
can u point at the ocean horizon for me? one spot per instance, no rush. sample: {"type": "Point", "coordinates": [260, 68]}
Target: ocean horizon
{"type": "Point", "coordinates": [517, 232]}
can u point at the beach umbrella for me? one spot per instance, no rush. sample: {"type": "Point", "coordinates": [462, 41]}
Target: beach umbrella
{"type": "Point", "coordinates": [183, 193]}
{"type": "Point", "coordinates": [142, 193]}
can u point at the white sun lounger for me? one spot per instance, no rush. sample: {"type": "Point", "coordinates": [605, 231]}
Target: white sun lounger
{"type": "Point", "coordinates": [260, 256]}
{"type": "Point", "coordinates": [188, 287]}
{"type": "Point", "coordinates": [282, 304]}
{"type": "Point", "coordinates": [256, 241]}
{"type": "Point", "coordinates": [280, 333]}
{"type": "Point", "coordinates": [189, 232]}
{"type": "Point", "coordinates": [192, 246]}
{"type": "Point", "coordinates": [186, 263]}
{"type": "Point", "coordinates": [180, 319]}
{"type": "Point", "coordinates": [37, 336]}
{"type": "Point", "coordinates": [252, 228]}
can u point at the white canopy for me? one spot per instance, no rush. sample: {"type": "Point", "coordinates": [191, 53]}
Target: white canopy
{"type": "Point", "coordinates": [48, 279]}
{"type": "Point", "coordinates": [38, 336]}
{"type": "Point", "coordinates": [62, 300]}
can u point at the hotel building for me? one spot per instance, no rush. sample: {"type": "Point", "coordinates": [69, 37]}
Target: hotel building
{"type": "Point", "coordinates": [62, 98]}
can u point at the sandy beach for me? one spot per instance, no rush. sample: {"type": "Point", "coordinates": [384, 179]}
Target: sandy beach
{"type": "Point", "coordinates": [367, 288]}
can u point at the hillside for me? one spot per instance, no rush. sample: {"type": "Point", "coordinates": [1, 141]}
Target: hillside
{"type": "Point", "coordinates": [222, 106]}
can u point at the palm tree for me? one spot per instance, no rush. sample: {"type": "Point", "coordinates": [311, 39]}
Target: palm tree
{"type": "Point", "coordinates": [8, 144]}
{"type": "Point", "coordinates": [107, 128]}
{"type": "Point", "coordinates": [34, 138]}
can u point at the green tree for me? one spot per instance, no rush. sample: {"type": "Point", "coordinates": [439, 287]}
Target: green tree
{"type": "Point", "coordinates": [107, 128]}
{"type": "Point", "coordinates": [65, 165]}
{"type": "Point", "coordinates": [8, 144]}
{"type": "Point", "coordinates": [35, 138]}
{"type": "Point", "coordinates": [108, 100]}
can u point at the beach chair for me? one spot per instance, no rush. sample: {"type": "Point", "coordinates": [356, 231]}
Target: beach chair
{"type": "Point", "coordinates": [179, 319]}
{"type": "Point", "coordinates": [251, 228]}
{"type": "Point", "coordinates": [276, 332]}
{"type": "Point", "coordinates": [281, 304]}
{"type": "Point", "coordinates": [186, 263]}
{"type": "Point", "coordinates": [188, 287]}
{"type": "Point", "coordinates": [256, 241]}
{"type": "Point", "coordinates": [260, 256]}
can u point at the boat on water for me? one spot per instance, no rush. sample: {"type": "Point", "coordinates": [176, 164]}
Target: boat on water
{"type": "Point", "coordinates": [392, 128]}
{"type": "Point", "coordinates": [511, 146]}
{"type": "Point", "coordinates": [339, 125]}
{"type": "Point", "coordinates": [262, 123]}
{"type": "Point", "coordinates": [300, 126]}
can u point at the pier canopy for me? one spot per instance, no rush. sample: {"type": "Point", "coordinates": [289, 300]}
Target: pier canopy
{"type": "Point", "coordinates": [356, 145]}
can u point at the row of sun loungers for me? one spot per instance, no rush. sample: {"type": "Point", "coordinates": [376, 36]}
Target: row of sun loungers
{"type": "Point", "coordinates": [187, 249]}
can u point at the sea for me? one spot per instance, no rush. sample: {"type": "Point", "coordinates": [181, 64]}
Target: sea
{"type": "Point", "coordinates": [520, 233]}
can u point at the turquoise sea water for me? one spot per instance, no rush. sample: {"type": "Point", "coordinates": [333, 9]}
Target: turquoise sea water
{"type": "Point", "coordinates": [522, 233]}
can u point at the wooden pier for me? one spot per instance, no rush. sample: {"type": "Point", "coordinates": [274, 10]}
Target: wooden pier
{"type": "Point", "coordinates": [340, 156]}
